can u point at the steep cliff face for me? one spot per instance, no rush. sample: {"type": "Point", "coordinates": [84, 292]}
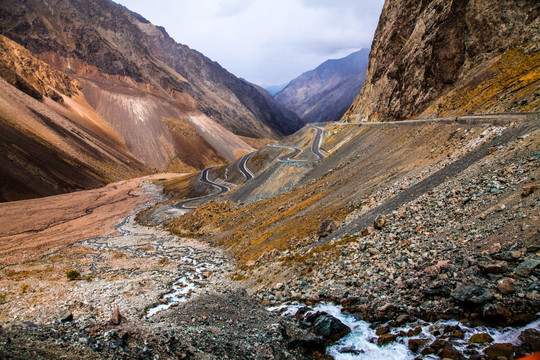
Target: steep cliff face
{"type": "Point", "coordinates": [438, 58]}
{"type": "Point", "coordinates": [132, 69]}
{"type": "Point", "coordinates": [325, 93]}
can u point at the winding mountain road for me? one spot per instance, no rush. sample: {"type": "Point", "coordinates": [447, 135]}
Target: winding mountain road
{"type": "Point", "coordinates": [204, 179]}
{"type": "Point", "coordinates": [316, 144]}
{"type": "Point", "coordinates": [289, 156]}
{"type": "Point", "coordinates": [242, 166]}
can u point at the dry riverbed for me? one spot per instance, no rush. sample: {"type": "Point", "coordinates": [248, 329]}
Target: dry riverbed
{"type": "Point", "coordinates": [138, 292]}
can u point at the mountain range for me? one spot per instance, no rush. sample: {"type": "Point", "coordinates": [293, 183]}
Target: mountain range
{"type": "Point", "coordinates": [112, 69]}
{"type": "Point", "coordinates": [325, 93]}
{"type": "Point", "coordinates": [364, 237]}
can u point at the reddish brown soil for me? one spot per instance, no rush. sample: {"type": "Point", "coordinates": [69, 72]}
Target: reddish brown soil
{"type": "Point", "coordinates": [32, 228]}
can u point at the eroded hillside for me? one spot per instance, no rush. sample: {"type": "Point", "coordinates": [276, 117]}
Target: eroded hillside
{"type": "Point", "coordinates": [447, 58]}
{"type": "Point", "coordinates": [135, 76]}
{"type": "Point", "coordinates": [52, 141]}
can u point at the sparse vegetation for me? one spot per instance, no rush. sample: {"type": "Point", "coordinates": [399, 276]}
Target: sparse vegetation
{"type": "Point", "coordinates": [73, 275]}
{"type": "Point", "coordinates": [25, 288]}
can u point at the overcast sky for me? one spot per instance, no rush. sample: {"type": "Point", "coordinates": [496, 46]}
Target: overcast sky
{"type": "Point", "coordinates": [267, 42]}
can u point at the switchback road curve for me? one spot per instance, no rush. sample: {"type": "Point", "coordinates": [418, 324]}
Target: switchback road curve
{"type": "Point", "coordinates": [316, 144]}
{"type": "Point", "coordinates": [204, 178]}
{"type": "Point", "coordinates": [242, 166]}
{"type": "Point", "coordinates": [289, 156]}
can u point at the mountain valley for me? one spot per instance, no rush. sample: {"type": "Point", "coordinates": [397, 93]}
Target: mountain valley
{"type": "Point", "coordinates": [155, 206]}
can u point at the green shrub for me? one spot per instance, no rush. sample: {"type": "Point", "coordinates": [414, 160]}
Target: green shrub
{"type": "Point", "coordinates": [73, 275]}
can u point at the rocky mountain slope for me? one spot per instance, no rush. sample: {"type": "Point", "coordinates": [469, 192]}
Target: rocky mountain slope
{"type": "Point", "coordinates": [325, 93]}
{"type": "Point", "coordinates": [439, 58]}
{"type": "Point", "coordinates": [51, 140]}
{"type": "Point", "coordinates": [134, 75]}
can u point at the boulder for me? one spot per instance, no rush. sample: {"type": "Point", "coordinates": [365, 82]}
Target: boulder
{"type": "Point", "coordinates": [505, 286]}
{"type": "Point", "coordinates": [497, 267]}
{"type": "Point", "coordinates": [327, 227]}
{"type": "Point", "coordinates": [471, 294]}
{"type": "Point", "coordinates": [379, 222]}
{"type": "Point", "coordinates": [381, 330]}
{"type": "Point", "coordinates": [330, 327]}
{"type": "Point", "coordinates": [530, 339]}
{"type": "Point", "coordinates": [528, 190]}
{"type": "Point", "coordinates": [496, 311]}
{"type": "Point", "coordinates": [29, 324]}
{"type": "Point", "coordinates": [450, 352]}
{"type": "Point", "coordinates": [505, 350]}
{"type": "Point", "coordinates": [481, 338]}
{"type": "Point", "coordinates": [117, 317]}
{"type": "Point", "coordinates": [417, 344]}
{"type": "Point", "coordinates": [66, 317]}
{"type": "Point", "coordinates": [527, 266]}
{"type": "Point", "coordinates": [309, 345]}
{"type": "Point", "coordinates": [367, 231]}
{"type": "Point", "coordinates": [386, 339]}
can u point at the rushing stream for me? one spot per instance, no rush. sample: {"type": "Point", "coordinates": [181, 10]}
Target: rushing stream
{"type": "Point", "coordinates": [360, 343]}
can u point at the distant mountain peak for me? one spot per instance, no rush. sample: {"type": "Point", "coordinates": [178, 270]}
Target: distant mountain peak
{"type": "Point", "coordinates": [325, 93]}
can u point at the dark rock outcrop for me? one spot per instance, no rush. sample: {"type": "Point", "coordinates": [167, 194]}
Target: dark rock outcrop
{"type": "Point", "coordinates": [443, 58]}
{"type": "Point", "coordinates": [329, 327]}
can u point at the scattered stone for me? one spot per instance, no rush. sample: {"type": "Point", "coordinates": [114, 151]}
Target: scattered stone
{"type": "Point", "coordinates": [66, 317]}
{"type": "Point", "coordinates": [379, 222]}
{"type": "Point", "coordinates": [528, 190]}
{"type": "Point", "coordinates": [505, 286]}
{"type": "Point", "coordinates": [386, 339]}
{"type": "Point", "coordinates": [327, 227]}
{"type": "Point", "coordinates": [330, 328]}
{"type": "Point", "coordinates": [481, 338]}
{"type": "Point", "coordinates": [495, 351]}
{"type": "Point", "coordinates": [527, 266]}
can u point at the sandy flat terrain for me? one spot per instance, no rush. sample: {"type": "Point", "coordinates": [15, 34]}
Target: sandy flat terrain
{"type": "Point", "coordinates": [30, 229]}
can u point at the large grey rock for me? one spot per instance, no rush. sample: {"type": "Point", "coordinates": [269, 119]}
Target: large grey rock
{"type": "Point", "coordinates": [330, 327]}
{"type": "Point", "coordinates": [472, 294]}
{"type": "Point", "coordinates": [527, 266]}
